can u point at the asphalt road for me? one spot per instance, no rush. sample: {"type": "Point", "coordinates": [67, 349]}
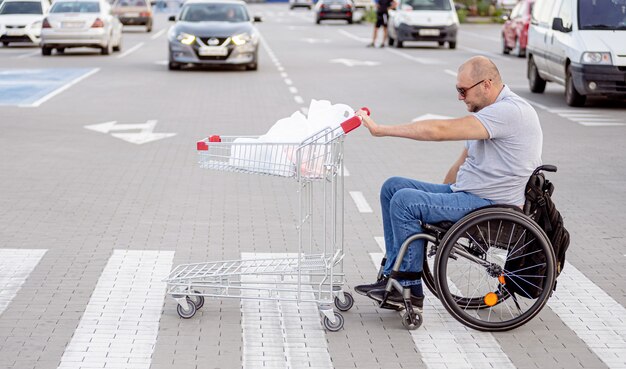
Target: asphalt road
{"type": "Point", "coordinates": [94, 212]}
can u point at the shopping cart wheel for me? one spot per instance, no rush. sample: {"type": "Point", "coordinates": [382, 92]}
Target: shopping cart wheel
{"type": "Point", "coordinates": [346, 305]}
{"type": "Point", "coordinates": [412, 320]}
{"type": "Point", "coordinates": [337, 325]}
{"type": "Point", "coordinates": [189, 312]}
{"type": "Point", "coordinates": [197, 300]}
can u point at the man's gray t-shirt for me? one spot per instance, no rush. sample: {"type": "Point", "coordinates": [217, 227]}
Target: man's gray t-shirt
{"type": "Point", "coordinates": [498, 168]}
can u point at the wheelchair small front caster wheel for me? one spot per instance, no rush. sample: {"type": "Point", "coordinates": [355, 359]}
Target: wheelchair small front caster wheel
{"type": "Point", "coordinates": [197, 300]}
{"type": "Point", "coordinates": [336, 326]}
{"type": "Point", "coordinates": [347, 304]}
{"type": "Point", "coordinates": [411, 320]}
{"type": "Point", "coordinates": [189, 312]}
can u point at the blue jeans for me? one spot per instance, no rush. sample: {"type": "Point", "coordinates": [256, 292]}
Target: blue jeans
{"type": "Point", "coordinates": [406, 204]}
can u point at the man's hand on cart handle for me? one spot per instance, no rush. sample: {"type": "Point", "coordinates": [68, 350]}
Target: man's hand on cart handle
{"type": "Point", "coordinates": [367, 121]}
{"type": "Point", "coordinates": [353, 123]}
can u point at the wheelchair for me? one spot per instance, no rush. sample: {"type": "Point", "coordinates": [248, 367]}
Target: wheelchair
{"type": "Point", "coordinates": [468, 266]}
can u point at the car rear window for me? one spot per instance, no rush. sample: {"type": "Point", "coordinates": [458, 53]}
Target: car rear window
{"type": "Point", "coordinates": [76, 7]}
{"type": "Point", "coordinates": [131, 3]}
{"type": "Point", "coordinates": [428, 4]}
{"type": "Point", "coordinates": [214, 13]}
{"type": "Point", "coordinates": [21, 7]}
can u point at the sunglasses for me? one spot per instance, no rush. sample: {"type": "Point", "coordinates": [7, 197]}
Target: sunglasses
{"type": "Point", "coordinates": [463, 91]}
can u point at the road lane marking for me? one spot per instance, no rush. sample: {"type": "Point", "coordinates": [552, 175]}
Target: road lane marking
{"type": "Point", "coordinates": [444, 342]}
{"type": "Point", "coordinates": [592, 314]}
{"type": "Point", "coordinates": [426, 61]}
{"type": "Point", "coordinates": [354, 37]}
{"type": "Point", "coordinates": [293, 90]}
{"type": "Point", "coordinates": [60, 89]}
{"type": "Point", "coordinates": [131, 50]}
{"type": "Point", "coordinates": [120, 324]}
{"type": "Point", "coordinates": [281, 334]}
{"type": "Point", "coordinates": [146, 131]}
{"type": "Point", "coordinates": [299, 99]}
{"type": "Point", "coordinates": [360, 202]}
{"type": "Point", "coordinates": [28, 54]}
{"type": "Point", "coordinates": [483, 52]}
{"type": "Point", "coordinates": [481, 36]}
{"type": "Point", "coordinates": [450, 72]}
{"type": "Point", "coordinates": [288, 81]}
{"type": "Point", "coordinates": [158, 34]}
{"type": "Point", "coordinates": [346, 173]}
{"type": "Point", "coordinates": [588, 119]}
{"type": "Point", "coordinates": [15, 267]}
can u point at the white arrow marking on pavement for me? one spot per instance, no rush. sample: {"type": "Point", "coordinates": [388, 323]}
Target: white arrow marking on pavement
{"type": "Point", "coordinates": [431, 116]}
{"type": "Point", "coordinates": [355, 63]}
{"type": "Point", "coordinates": [316, 40]}
{"type": "Point", "coordinates": [145, 134]}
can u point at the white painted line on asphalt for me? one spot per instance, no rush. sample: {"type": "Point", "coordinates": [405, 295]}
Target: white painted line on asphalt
{"type": "Point", "coordinates": [483, 52]}
{"type": "Point", "coordinates": [299, 100]}
{"type": "Point", "coordinates": [60, 89]}
{"type": "Point", "coordinates": [481, 36]}
{"type": "Point", "coordinates": [158, 34]}
{"type": "Point", "coordinates": [284, 75]}
{"type": "Point", "coordinates": [288, 81]}
{"type": "Point", "coordinates": [450, 72]}
{"type": "Point", "coordinates": [28, 54]}
{"type": "Point", "coordinates": [426, 61]}
{"type": "Point", "coordinates": [601, 124]}
{"type": "Point", "coordinates": [131, 50]}
{"type": "Point", "coordinates": [354, 37]}
{"type": "Point", "coordinates": [293, 90]}
{"type": "Point", "coordinates": [592, 314]}
{"type": "Point", "coordinates": [121, 321]}
{"type": "Point", "coordinates": [540, 106]}
{"type": "Point", "coordinates": [443, 342]}
{"type": "Point", "coordinates": [281, 334]}
{"type": "Point", "coordinates": [346, 173]}
{"type": "Point", "coordinates": [361, 203]}
{"type": "Point", "coordinates": [15, 267]}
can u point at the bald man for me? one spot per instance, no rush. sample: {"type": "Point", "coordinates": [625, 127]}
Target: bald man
{"type": "Point", "coordinates": [503, 143]}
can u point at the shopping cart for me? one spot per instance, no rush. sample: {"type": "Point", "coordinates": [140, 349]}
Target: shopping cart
{"type": "Point", "coordinates": [315, 273]}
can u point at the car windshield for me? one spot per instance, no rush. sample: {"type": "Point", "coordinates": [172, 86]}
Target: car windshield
{"type": "Point", "coordinates": [427, 4]}
{"type": "Point", "coordinates": [75, 7]}
{"type": "Point", "coordinates": [602, 14]}
{"type": "Point", "coordinates": [21, 7]}
{"type": "Point", "coordinates": [214, 13]}
{"type": "Point", "coordinates": [124, 3]}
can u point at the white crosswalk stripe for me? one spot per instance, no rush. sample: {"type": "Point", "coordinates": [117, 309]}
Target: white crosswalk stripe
{"type": "Point", "coordinates": [588, 118]}
{"type": "Point", "coordinates": [15, 267]}
{"type": "Point", "coordinates": [121, 321]}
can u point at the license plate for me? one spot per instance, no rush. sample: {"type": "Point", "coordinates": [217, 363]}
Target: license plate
{"type": "Point", "coordinates": [131, 15]}
{"type": "Point", "coordinates": [72, 24]}
{"type": "Point", "coordinates": [213, 51]}
{"type": "Point", "coordinates": [429, 32]}
{"type": "Point", "coordinates": [15, 32]}
{"type": "Point", "coordinates": [336, 7]}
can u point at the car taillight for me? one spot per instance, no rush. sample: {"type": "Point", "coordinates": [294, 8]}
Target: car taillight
{"type": "Point", "coordinates": [45, 23]}
{"type": "Point", "coordinates": [98, 23]}
{"type": "Point", "coordinates": [144, 14]}
{"type": "Point", "coordinates": [323, 7]}
{"type": "Point", "coordinates": [348, 6]}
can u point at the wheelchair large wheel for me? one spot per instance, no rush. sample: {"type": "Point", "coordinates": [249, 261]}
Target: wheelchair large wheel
{"type": "Point", "coordinates": [472, 273]}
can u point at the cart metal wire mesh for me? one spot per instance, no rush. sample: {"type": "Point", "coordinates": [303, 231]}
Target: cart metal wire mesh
{"type": "Point", "coordinates": [313, 274]}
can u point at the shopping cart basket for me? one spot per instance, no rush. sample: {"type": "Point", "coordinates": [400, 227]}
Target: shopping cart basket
{"type": "Point", "coordinates": [315, 273]}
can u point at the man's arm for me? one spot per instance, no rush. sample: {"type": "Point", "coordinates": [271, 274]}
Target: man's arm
{"type": "Point", "coordinates": [465, 128]}
{"type": "Point", "coordinates": [451, 176]}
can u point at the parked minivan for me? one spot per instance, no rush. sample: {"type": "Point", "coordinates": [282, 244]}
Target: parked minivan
{"type": "Point", "coordinates": [580, 44]}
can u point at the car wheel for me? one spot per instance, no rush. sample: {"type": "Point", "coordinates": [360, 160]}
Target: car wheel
{"type": "Point", "coordinates": [318, 21]}
{"type": "Point", "coordinates": [572, 97]}
{"type": "Point", "coordinates": [440, 43]}
{"type": "Point", "coordinates": [173, 66]}
{"type": "Point", "coordinates": [452, 44]}
{"type": "Point", "coordinates": [535, 82]}
{"type": "Point", "coordinates": [390, 40]}
{"type": "Point", "coordinates": [60, 50]}
{"type": "Point", "coordinates": [5, 43]}
{"type": "Point", "coordinates": [505, 49]}
{"type": "Point", "coordinates": [519, 52]}
{"type": "Point", "coordinates": [399, 44]}
{"type": "Point", "coordinates": [119, 46]}
{"type": "Point", "coordinates": [149, 27]}
{"type": "Point", "coordinates": [45, 50]}
{"type": "Point", "coordinates": [252, 66]}
{"type": "Point", "coordinates": [108, 49]}
{"type": "Point", "coordinates": [349, 20]}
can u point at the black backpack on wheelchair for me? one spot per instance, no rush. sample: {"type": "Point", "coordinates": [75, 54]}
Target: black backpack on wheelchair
{"type": "Point", "coordinates": [540, 207]}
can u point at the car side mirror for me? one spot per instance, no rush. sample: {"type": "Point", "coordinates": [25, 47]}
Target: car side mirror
{"type": "Point", "coordinates": [557, 25]}
{"type": "Point", "coordinates": [257, 19]}
{"type": "Point", "coordinates": [172, 18]}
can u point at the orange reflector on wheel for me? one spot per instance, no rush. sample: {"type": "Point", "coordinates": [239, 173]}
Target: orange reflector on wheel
{"type": "Point", "coordinates": [491, 299]}
{"type": "Point", "coordinates": [501, 280]}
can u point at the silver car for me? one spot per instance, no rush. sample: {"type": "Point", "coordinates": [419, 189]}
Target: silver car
{"type": "Point", "coordinates": [81, 23]}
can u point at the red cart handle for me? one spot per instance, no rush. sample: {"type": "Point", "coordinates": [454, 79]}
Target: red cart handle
{"type": "Point", "coordinates": [353, 122]}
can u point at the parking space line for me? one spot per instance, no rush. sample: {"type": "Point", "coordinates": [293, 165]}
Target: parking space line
{"type": "Point", "coordinates": [28, 54]}
{"type": "Point", "coordinates": [15, 267]}
{"type": "Point", "coordinates": [158, 34]}
{"type": "Point", "coordinates": [482, 52]}
{"type": "Point", "coordinates": [120, 324]}
{"type": "Point", "coordinates": [354, 37]}
{"type": "Point", "coordinates": [426, 61]}
{"type": "Point", "coordinates": [281, 334]}
{"type": "Point", "coordinates": [450, 72]}
{"type": "Point", "coordinates": [131, 50]}
{"type": "Point", "coordinates": [361, 203]}
{"type": "Point", "coordinates": [60, 89]}
{"type": "Point", "coordinates": [592, 314]}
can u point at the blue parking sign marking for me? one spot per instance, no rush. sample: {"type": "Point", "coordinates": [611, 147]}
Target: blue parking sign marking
{"type": "Point", "coordinates": [30, 87]}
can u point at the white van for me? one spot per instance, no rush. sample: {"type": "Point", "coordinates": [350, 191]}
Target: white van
{"type": "Point", "coordinates": [580, 44]}
{"type": "Point", "coordinates": [423, 20]}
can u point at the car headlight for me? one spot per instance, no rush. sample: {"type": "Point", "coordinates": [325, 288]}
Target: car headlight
{"type": "Point", "coordinates": [401, 18]}
{"type": "Point", "coordinates": [241, 39]}
{"type": "Point", "coordinates": [186, 38]}
{"type": "Point", "coordinates": [36, 24]}
{"type": "Point", "coordinates": [596, 58]}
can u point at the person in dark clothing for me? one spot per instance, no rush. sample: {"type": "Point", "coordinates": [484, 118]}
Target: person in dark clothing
{"type": "Point", "coordinates": [382, 15]}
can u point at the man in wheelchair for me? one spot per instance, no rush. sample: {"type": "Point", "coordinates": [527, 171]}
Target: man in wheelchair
{"type": "Point", "coordinates": [503, 144]}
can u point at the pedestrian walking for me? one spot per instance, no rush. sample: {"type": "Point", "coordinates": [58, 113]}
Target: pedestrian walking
{"type": "Point", "coordinates": [382, 16]}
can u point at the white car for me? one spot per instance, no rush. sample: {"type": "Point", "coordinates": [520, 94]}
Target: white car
{"type": "Point", "coordinates": [423, 20]}
{"type": "Point", "coordinates": [20, 20]}
{"type": "Point", "coordinates": [300, 4]}
{"type": "Point", "coordinates": [81, 23]}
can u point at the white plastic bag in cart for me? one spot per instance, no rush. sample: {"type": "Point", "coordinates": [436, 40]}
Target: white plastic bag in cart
{"type": "Point", "coordinates": [270, 154]}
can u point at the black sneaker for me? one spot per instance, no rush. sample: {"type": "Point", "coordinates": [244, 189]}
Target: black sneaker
{"type": "Point", "coordinates": [395, 297]}
{"type": "Point", "coordinates": [365, 288]}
